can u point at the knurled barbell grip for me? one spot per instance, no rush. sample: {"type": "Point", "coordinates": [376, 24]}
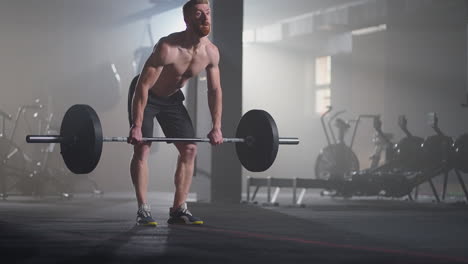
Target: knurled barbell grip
{"type": "Point", "coordinates": [164, 139]}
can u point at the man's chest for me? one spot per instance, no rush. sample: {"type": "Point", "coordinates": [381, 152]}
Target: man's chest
{"type": "Point", "coordinates": [187, 64]}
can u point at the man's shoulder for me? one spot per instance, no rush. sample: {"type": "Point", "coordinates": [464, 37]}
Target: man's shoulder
{"type": "Point", "coordinates": [167, 45]}
{"type": "Point", "coordinates": [165, 49]}
{"type": "Point", "coordinates": [212, 53]}
{"type": "Point", "coordinates": [211, 47]}
{"type": "Point", "coordinates": [171, 39]}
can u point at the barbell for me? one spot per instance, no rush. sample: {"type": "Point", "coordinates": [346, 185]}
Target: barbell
{"type": "Point", "coordinates": [81, 139]}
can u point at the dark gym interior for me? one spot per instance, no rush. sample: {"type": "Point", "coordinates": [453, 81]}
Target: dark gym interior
{"type": "Point", "coordinates": [364, 159]}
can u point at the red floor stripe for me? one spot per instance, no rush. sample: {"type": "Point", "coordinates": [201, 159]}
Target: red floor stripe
{"type": "Point", "coordinates": [329, 244]}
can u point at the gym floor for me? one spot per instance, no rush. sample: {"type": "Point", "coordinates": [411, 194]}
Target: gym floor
{"type": "Point", "coordinates": [90, 229]}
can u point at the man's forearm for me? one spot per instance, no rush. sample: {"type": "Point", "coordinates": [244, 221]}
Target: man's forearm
{"type": "Point", "coordinates": [215, 103]}
{"type": "Point", "coordinates": [138, 106]}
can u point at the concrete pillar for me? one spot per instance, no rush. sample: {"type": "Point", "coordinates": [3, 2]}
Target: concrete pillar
{"type": "Point", "coordinates": [202, 119]}
{"type": "Point", "coordinates": [226, 171]}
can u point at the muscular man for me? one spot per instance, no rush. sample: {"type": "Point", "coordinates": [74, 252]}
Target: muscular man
{"type": "Point", "coordinates": [175, 59]}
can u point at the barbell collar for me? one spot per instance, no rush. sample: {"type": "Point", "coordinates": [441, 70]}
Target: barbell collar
{"type": "Point", "coordinates": [289, 141]}
{"type": "Point", "coordinates": [44, 139]}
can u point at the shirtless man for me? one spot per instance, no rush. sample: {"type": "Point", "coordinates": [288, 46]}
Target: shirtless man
{"type": "Point", "coordinates": [175, 59]}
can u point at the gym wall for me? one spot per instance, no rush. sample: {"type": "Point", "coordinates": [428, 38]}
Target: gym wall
{"type": "Point", "coordinates": [418, 64]}
{"type": "Point", "coordinates": [61, 52]}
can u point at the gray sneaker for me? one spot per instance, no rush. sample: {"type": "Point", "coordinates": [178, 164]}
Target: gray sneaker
{"type": "Point", "coordinates": [182, 216]}
{"type": "Point", "coordinates": [144, 217]}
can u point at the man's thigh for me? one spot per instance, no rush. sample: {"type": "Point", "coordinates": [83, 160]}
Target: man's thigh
{"type": "Point", "coordinates": [176, 122]}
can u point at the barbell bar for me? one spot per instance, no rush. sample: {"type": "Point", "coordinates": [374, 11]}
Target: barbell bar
{"type": "Point", "coordinates": [60, 139]}
{"type": "Point", "coordinates": [81, 139]}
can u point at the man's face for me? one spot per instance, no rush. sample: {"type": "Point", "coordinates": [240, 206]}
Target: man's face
{"type": "Point", "coordinates": [200, 19]}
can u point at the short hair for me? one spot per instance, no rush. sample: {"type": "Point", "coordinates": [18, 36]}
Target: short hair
{"type": "Point", "coordinates": [190, 4]}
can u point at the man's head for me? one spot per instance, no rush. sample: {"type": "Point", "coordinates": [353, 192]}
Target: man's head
{"type": "Point", "coordinates": [197, 16]}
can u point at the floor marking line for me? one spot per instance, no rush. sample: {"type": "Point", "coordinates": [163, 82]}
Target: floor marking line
{"type": "Point", "coordinates": [327, 244]}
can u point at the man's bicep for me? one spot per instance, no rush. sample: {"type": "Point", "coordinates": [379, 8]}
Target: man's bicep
{"type": "Point", "coordinates": [152, 69]}
{"type": "Point", "coordinates": [148, 77]}
{"type": "Point", "coordinates": [213, 73]}
{"type": "Point", "coordinates": [213, 76]}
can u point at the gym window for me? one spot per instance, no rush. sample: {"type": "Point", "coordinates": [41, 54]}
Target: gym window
{"type": "Point", "coordinates": [322, 83]}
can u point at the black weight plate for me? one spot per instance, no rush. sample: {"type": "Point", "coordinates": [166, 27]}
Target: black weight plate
{"type": "Point", "coordinates": [260, 155]}
{"type": "Point", "coordinates": [436, 150]}
{"type": "Point", "coordinates": [409, 153]}
{"type": "Point", "coordinates": [81, 146]}
{"type": "Point", "coordinates": [461, 153]}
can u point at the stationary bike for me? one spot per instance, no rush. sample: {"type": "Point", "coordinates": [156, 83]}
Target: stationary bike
{"type": "Point", "coordinates": [337, 160]}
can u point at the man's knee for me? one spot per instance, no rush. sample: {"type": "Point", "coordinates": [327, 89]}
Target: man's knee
{"type": "Point", "coordinates": [187, 151]}
{"type": "Point", "coordinates": [141, 152]}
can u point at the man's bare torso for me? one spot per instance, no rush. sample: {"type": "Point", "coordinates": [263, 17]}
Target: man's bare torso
{"type": "Point", "coordinates": [181, 63]}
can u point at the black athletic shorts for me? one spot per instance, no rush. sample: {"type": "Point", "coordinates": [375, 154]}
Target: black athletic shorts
{"type": "Point", "coordinates": [170, 112]}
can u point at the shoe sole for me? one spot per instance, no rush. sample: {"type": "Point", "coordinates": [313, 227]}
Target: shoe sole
{"type": "Point", "coordinates": [152, 224]}
{"type": "Point", "coordinates": [185, 223]}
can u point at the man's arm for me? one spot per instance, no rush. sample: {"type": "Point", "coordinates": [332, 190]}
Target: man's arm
{"type": "Point", "coordinates": [215, 101]}
{"type": "Point", "coordinates": [148, 77]}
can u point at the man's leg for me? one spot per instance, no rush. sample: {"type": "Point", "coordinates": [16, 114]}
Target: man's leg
{"type": "Point", "coordinates": [184, 172]}
{"type": "Point", "coordinates": [183, 179]}
{"type": "Point", "coordinates": [139, 173]}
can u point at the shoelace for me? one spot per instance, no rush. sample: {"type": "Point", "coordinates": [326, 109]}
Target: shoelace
{"type": "Point", "coordinates": [186, 211]}
{"type": "Point", "coordinates": [144, 213]}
